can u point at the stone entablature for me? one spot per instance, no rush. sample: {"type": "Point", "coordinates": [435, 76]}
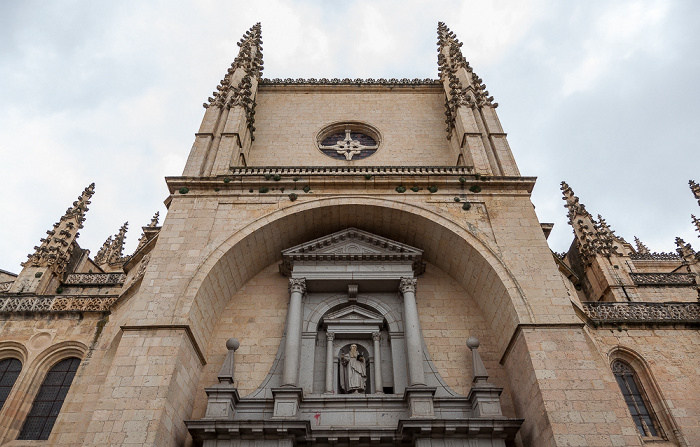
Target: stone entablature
{"type": "Point", "coordinates": [643, 312]}
{"type": "Point", "coordinates": [351, 170]}
{"type": "Point", "coordinates": [89, 279]}
{"type": "Point", "coordinates": [56, 303]}
{"type": "Point", "coordinates": [663, 279]}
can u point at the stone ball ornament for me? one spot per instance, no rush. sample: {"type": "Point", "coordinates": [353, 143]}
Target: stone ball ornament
{"type": "Point", "coordinates": [232, 344]}
{"type": "Point", "coordinates": [472, 342]}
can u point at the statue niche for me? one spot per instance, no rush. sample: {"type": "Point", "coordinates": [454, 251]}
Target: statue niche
{"type": "Point", "coordinates": [352, 371]}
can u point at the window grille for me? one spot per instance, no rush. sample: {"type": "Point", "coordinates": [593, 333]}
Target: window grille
{"type": "Point", "coordinates": [49, 400]}
{"type": "Point", "coordinates": [636, 402]}
{"type": "Point", "coordinates": [9, 371]}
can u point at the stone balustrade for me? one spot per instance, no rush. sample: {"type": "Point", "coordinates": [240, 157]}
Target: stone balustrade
{"type": "Point", "coordinates": [663, 279]}
{"type": "Point", "coordinates": [56, 303]}
{"type": "Point", "coordinates": [643, 312]}
{"type": "Point", "coordinates": [94, 279]}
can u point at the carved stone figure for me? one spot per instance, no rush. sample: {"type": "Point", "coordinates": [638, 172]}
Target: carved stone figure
{"type": "Point", "coordinates": [353, 372]}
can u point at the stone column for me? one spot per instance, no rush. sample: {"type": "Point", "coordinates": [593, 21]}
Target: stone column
{"type": "Point", "coordinates": [378, 385]}
{"type": "Point", "coordinates": [330, 336]}
{"type": "Point", "coordinates": [414, 348]}
{"type": "Point", "coordinates": [292, 345]}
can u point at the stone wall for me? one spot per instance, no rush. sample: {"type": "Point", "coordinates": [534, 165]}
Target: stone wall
{"type": "Point", "coordinates": [410, 120]}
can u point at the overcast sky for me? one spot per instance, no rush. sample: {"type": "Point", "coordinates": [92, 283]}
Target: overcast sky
{"type": "Point", "coordinates": [604, 95]}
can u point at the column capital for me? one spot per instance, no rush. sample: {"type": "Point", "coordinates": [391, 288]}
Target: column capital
{"type": "Point", "coordinates": [376, 336]}
{"type": "Point", "coordinates": [408, 285]}
{"type": "Point", "coordinates": [330, 336]}
{"type": "Point", "coordinates": [297, 285]}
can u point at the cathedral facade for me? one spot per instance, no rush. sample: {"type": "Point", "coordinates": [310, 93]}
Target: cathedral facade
{"type": "Point", "coordinates": [351, 262]}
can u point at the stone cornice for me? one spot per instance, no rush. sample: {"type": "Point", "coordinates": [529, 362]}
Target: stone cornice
{"type": "Point", "coordinates": [364, 177]}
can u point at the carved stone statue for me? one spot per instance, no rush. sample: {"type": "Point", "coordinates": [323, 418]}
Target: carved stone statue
{"type": "Point", "coordinates": [353, 372]}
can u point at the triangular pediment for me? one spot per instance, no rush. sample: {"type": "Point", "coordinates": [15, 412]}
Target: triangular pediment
{"type": "Point", "coordinates": [352, 241]}
{"type": "Point", "coordinates": [352, 245]}
{"type": "Point", "coordinates": [351, 313]}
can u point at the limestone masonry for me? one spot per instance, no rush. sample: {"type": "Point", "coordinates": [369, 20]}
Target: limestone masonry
{"type": "Point", "coordinates": [351, 262]}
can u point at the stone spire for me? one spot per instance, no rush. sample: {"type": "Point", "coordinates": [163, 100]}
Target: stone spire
{"type": "Point", "coordinates": [236, 89]}
{"type": "Point", "coordinates": [55, 250]}
{"type": "Point", "coordinates": [227, 131]}
{"type": "Point", "coordinates": [696, 222]}
{"type": "Point", "coordinates": [470, 112]}
{"type": "Point", "coordinates": [101, 256]}
{"type": "Point", "coordinates": [146, 235]}
{"type": "Point", "coordinates": [685, 250]}
{"type": "Point", "coordinates": [592, 237]}
{"type": "Point", "coordinates": [641, 248]}
{"type": "Point", "coordinates": [111, 253]}
{"type": "Point", "coordinates": [117, 250]}
{"type": "Point", "coordinates": [696, 189]}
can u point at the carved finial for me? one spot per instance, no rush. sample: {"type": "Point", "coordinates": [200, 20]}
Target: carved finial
{"type": "Point", "coordinates": [117, 251]}
{"type": "Point", "coordinates": [55, 250]}
{"type": "Point", "coordinates": [572, 203]}
{"type": "Point", "coordinates": [154, 220]}
{"type": "Point", "coordinates": [696, 189]}
{"type": "Point", "coordinates": [227, 369]}
{"type": "Point", "coordinates": [144, 238]}
{"type": "Point", "coordinates": [685, 250]}
{"type": "Point", "coordinates": [641, 248]}
{"type": "Point", "coordinates": [479, 373]}
{"type": "Point", "coordinates": [103, 252]}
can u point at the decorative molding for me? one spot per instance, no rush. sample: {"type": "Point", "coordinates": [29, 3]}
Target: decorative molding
{"type": "Point", "coordinates": [90, 279]}
{"type": "Point", "coordinates": [351, 170]}
{"type": "Point", "coordinates": [348, 81]}
{"type": "Point", "coordinates": [643, 312]}
{"type": "Point", "coordinates": [639, 256]}
{"type": "Point", "coordinates": [663, 279]}
{"type": "Point", "coordinates": [56, 303]}
{"type": "Point", "coordinates": [5, 286]}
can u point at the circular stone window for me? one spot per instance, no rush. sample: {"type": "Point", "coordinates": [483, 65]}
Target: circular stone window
{"type": "Point", "coordinates": [348, 141]}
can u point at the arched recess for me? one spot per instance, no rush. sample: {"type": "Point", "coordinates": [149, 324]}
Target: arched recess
{"type": "Point", "coordinates": [461, 251]}
{"type": "Point", "coordinates": [31, 379]}
{"type": "Point", "coordinates": [393, 323]}
{"type": "Point", "coordinates": [650, 388]}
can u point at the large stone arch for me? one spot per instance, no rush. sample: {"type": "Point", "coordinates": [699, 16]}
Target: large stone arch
{"type": "Point", "coordinates": [461, 251]}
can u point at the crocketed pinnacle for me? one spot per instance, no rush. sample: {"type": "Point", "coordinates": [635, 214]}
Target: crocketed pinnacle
{"type": "Point", "coordinates": [249, 59]}
{"type": "Point", "coordinates": [696, 222]}
{"type": "Point", "coordinates": [144, 237]}
{"type": "Point", "coordinates": [575, 207]}
{"type": "Point", "coordinates": [641, 248]}
{"type": "Point", "coordinates": [448, 65]}
{"type": "Point", "coordinates": [117, 249]}
{"type": "Point", "coordinates": [55, 249]}
{"type": "Point", "coordinates": [696, 189]}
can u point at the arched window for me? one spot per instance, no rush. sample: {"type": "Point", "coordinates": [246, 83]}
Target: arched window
{"type": "Point", "coordinates": [636, 400]}
{"type": "Point", "coordinates": [49, 400]}
{"type": "Point", "coordinates": [9, 371]}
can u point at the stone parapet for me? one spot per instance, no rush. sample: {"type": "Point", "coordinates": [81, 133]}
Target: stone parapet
{"type": "Point", "coordinates": [59, 303]}
{"type": "Point", "coordinates": [643, 312]}
{"type": "Point", "coordinates": [90, 279]}
{"type": "Point", "coordinates": [665, 279]}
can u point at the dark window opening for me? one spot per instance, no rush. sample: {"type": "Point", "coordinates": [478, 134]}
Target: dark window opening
{"type": "Point", "coordinates": [635, 399]}
{"type": "Point", "coordinates": [9, 371]}
{"type": "Point", "coordinates": [49, 400]}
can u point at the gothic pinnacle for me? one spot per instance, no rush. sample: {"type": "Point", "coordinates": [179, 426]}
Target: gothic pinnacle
{"type": "Point", "coordinates": [695, 188]}
{"type": "Point", "coordinates": [696, 222]}
{"type": "Point", "coordinates": [249, 60]}
{"type": "Point", "coordinates": [641, 248]}
{"type": "Point", "coordinates": [154, 220]}
{"type": "Point", "coordinates": [55, 250]}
